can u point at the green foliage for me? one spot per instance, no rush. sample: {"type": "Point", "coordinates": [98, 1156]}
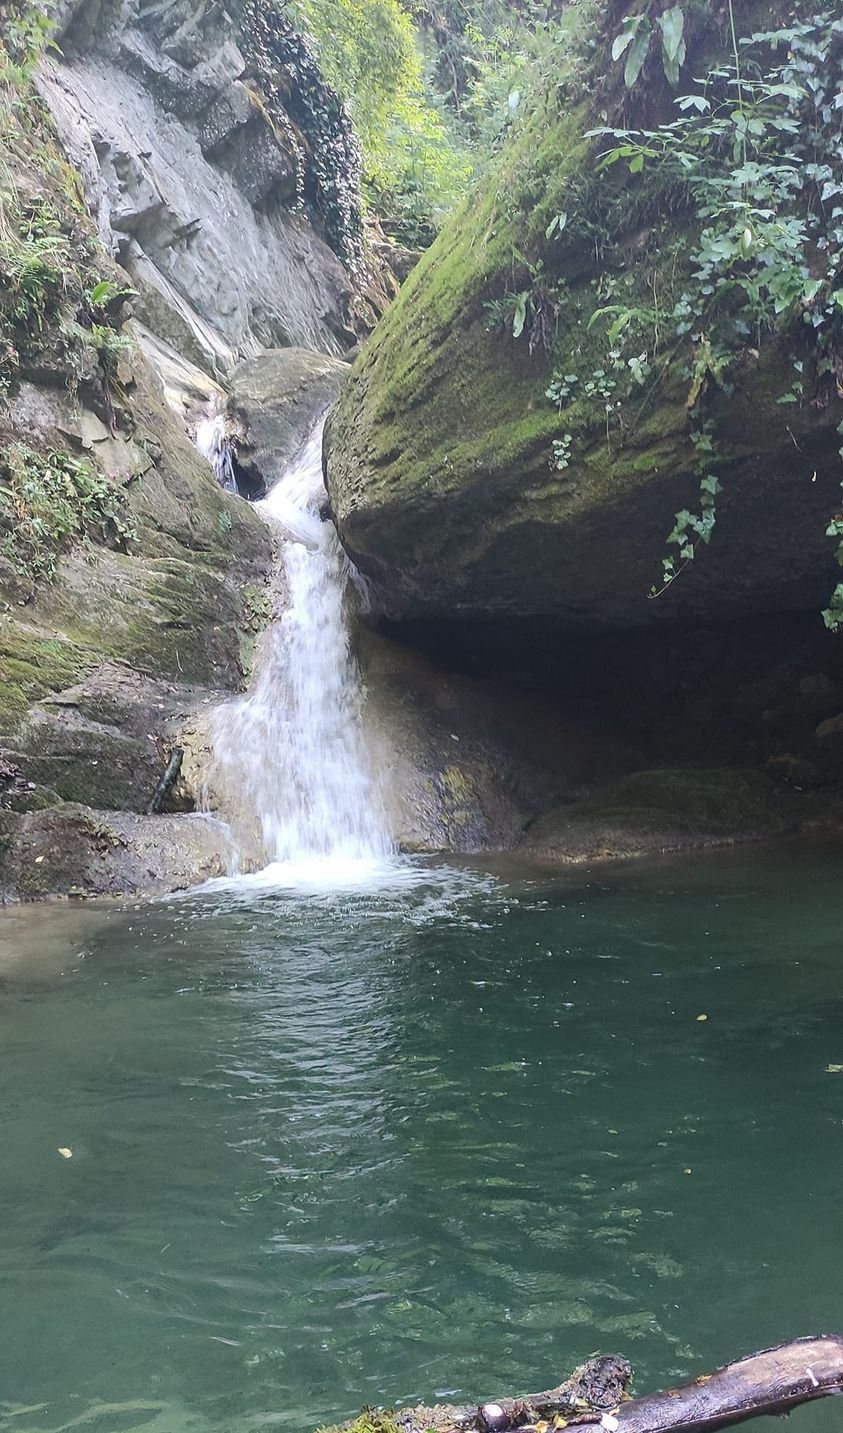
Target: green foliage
{"type": "Point", "coordinates": [105, 292]}
{"type": "Point", "coordinates": [289, 89]}
{"type": "Point", "coordinates": [27, 29]}
{"type": "Point", "coordinates": [34, 258]}
{"type": "Point", "coordinates": [432, 96]}
{"type": "Point", "coordinates": [490, 59]}
{"type": "Point", "coordinates": [49, 500]}
{"type": "Point", "coordinates": [50, 298]}
{"type": "Point", "coordinates": [638, 35]}
{"type": "Point", "coordinates": [758, 150]}
{"type": "Point", "coordinates": [42, 284]}
{"type": "Point", "coordinates": [370, 1420]}
{"type": "Point", "coordinates": [693, 528]}
{"type": "Point", "coordinates": [367, 51]}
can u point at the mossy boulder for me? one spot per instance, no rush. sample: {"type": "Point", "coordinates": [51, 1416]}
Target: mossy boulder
{"type": "Point", "coordinates": [441, 467]}
{"type": "Point", "coordinates": [655, 811]}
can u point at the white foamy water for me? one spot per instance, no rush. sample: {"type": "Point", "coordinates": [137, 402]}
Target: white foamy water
{"type": "Point", "coordinates": [213, 444]}
{"type": "Point", "coordinates": [290, 770]}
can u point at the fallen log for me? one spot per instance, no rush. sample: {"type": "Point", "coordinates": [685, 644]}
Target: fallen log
{"type": "Point", "coordinates": [774, 1381]}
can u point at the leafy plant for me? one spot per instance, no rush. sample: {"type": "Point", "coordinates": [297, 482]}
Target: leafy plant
{"type": "Point", "coordinates": [636, 39]}
{"type": "Point", "coordinates": [413, 165]}
{"type": "Point", "coordinates": [758, 147]}
{"type": "Point", "coordinates": [47, 501]}
{"type": "Point", "coordinates": [27, 31]}
{"type": "Point", "coordinates": [106, 292]}
{"type": "Point", "coordinates": [46, 295]}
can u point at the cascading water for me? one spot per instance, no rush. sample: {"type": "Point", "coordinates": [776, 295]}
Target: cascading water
{"type": "Point", "coordinates": [213, 444]}
{"type": "Point", "coordinates": [289, 760]}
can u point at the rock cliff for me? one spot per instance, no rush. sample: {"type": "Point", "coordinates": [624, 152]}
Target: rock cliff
{"type": "Point", "coordinates": [508, 485]}
{"type": "Point", "coordinates": [166, 218]}
{"type": "Point", "coordinates": [212, 181]}
{"type": "Point", "coordinates": [204, 246]}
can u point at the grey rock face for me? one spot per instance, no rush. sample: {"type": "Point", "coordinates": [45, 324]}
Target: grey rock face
{"type": "Point", "coordinates": [275, 400]}
{"type": "Point", "coordinates": [193, 187]}
{"type": "Point", "coordinates": [72, 849]}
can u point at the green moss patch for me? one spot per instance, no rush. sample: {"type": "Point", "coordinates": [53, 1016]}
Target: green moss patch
{"type": "Point", "coordinates": [653, 811]}
{"type": "Point", "coordinates": [715, 803]}
{"type": "Point", "coordinates": [32, 665]}
{"type": "Point", "coordinates": [371, 1420]}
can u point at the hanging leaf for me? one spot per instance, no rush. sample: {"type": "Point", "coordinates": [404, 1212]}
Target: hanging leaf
{"type": "Point", "coordinates": [622, 41]}
{"type": "Point", "coordinates": [672, 26]}
{"type": "Point", "coordinates": [637, 53]}
{"type": "Point", "coordinates": [520, 317]}
{"type": "Point", "coordinates": [101, 291]}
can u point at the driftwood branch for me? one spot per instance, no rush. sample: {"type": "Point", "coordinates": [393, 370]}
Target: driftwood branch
{"type": "Point", "coordinates": [773, 1382]}
{"type": "Point", "coordinates": [167, 782]}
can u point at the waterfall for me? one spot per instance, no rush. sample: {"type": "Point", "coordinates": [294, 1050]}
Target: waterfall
{"type": "Point", "coordinates": [213, 444]}
{"type": "Point", "coordinates": [290, 768]}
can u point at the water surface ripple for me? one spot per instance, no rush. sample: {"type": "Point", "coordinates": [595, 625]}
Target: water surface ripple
{"type": "Point", "coordinates": [444, 1138]}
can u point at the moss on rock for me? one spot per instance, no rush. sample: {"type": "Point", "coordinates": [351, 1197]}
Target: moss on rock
{"type": "Point", "coordinates": [651, 811]}
{"type": "Point", "coordinates": [102, 652]}
{"type": "Point", "coordinates": [441, 466]}
{"type": "Point", "coordinates": [370, 1420]}
{"type": "Point", "coordinates": [34, 662]}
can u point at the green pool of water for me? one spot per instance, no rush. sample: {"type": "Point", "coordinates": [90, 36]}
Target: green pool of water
{"type": "Point", "coordinates": [436, 1141]}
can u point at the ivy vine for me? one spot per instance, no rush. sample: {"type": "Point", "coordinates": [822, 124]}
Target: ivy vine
{"type": "Point", "coordinates": [759, 144]}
